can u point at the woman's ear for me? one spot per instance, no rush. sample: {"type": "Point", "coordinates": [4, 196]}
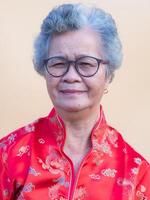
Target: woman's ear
{"type": "Point", "coordinates": [110, 78]}
{"type": "Point", "coordinates": [108, 81]}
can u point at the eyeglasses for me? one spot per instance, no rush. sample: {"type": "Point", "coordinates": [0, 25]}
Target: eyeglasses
{"type": "Point", "coordinates": [86, 66]}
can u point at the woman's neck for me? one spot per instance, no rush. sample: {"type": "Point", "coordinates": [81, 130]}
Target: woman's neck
{"type": "Point", "coordinates": [78, 132]}
{"type": "Point", "coordinates": [78, 129]}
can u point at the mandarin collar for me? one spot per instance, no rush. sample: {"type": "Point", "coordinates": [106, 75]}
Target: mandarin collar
{"type": "Point", "coordinates": [59, 131]}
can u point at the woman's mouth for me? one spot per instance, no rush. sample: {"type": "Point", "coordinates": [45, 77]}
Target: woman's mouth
{"type": "Point", "coordinates": [72, 91]}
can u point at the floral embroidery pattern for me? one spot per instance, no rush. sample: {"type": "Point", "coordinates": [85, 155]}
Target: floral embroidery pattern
{"type": "Point", "coordinates": [143, 189]}
{"type": "Point", "coordinates": [80, 193]}
{"type": "Point", "coordinates": [124, 150]}
{"type": "Point", "coordinates": [125, 182]}
{"type": "Point", "coordinates": [29, 128]}
{"type": "Point", "coordinates": [138, 161]}
{"type": "Point", "coordinates": [141, 196]}
{"type": "Point", "coordinates": [95, 176]}
{"type": "Point", "coordinates": [11, 139]}
{"type": "Point", "coordinates": [41, 140]}
{"type": "Point", "coordinates": [97, 159]}
{"type": "Point", "coordinates": [24, 150]}
{"type": "Point", "coordinates": [26, 189]}
{"type": "Point", "coordinates": [113, 138]}
{"type": "Point", "coordinates": [104, 147]}
{"type": "Point", "coordinates": [3, 144]}
{"type": "Point", "coordinates": [134, 170]}
{"type": "Point", "coordinates": [140, 193]}
{"type": "Point", "coordinates": [127, 186]}
{"type": "Point", "coordinates": [53, 192]}
{"type": "Point", "coordinates": [62, 181]}
{"type": "Point", "coordinates": [33, 171]}
{"type": "Point", "coordinates": [53, 163]}
{"type": "Point", "coordinates": [109, 172]}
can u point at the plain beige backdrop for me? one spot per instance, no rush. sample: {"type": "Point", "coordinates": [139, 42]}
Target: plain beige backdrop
{"type": "Point", "coordinates": [23, 95]}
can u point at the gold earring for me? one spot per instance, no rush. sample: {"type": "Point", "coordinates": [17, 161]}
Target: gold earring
{"type": "Point", "coordinates": [105, 91]}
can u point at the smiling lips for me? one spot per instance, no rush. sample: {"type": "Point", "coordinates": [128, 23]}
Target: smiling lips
{"type": "Point", "coordinates": [72, 91]}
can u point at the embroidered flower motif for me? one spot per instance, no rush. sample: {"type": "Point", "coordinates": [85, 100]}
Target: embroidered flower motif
{"type": "Point", "coordinates": [44, 166]}
{"type": "Point", "coordinates": [59, 137]}
{"type": "Point", "coordinates": [97, 160]}
{"type": "Point", "coordinates": [124, 150]}
{"type": "Point", "coordinates": [138, 161]}
{"type": "Point", "coordinates": [11, 138]}
{"type": "Point", "coordinates": [135, 170]}
{"type": "Point", "coordinates": [141, 196]}
{"type": "Point", "coordinates": [30, 128]}
{"type": "Point", "coordinates": [143, 188]}
{"type": "Point", "coordinates": [62, 181]}
{"type": "Point", "coordinates": [109, 172]}
{"type": "Point", "coordinates": [33, 171]}
{"type": "Point", "coordinates": [140, 193]}
{"type": "Point", "coordinates": [54, 163]}
{"type": "Point", "coordinates": [41, 140]}
{"type": "Point", "coordinates": [104, 147]}
{"type": "Point", "coordinates": [95, 176]}
{"type": "Point", "coordinates": [80, 193]}
{"type": "Point", "coordinates": [27, 188]}
{"type": "Point", "coordinates": [125, 182]}
{"type": "Point", "coordinates": [23, 150]}
{"type": "Point", "coordinates": [113, 138]}
{"type": "Point", "coordinates": [53, 192]}
{"type": "Point", "coordinates": [3, 145]}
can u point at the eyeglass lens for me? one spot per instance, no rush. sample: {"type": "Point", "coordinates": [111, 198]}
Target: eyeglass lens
{"type": "Point", "coordinates": [85, 66]}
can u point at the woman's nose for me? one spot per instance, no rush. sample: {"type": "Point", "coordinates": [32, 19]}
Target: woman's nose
{"type": "Point", "coordinates": [72, 75]}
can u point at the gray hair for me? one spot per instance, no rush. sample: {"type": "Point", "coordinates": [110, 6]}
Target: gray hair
{"type": "Point", "coordinates": [69, 17]}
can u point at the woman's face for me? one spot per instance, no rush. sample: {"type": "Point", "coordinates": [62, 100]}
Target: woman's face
{"type": "Point", "coordinates": [73, 92]}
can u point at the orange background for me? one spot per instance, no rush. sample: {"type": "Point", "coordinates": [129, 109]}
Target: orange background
{"type": "Point", "coordinates": [23, 95]}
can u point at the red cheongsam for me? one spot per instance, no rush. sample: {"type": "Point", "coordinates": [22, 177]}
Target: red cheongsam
{"type": "Point", "coordinates": [33, 165]}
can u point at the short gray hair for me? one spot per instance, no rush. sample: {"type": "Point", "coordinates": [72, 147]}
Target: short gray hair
{"type": "Point", "coordinates": [69, 17]}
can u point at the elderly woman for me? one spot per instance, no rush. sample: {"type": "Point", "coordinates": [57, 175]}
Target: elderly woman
{"type": "Point", "coordinates": [73, 154]}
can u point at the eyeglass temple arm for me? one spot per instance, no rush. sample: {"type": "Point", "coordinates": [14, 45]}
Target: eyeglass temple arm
{"type": "Point", "coordinates": [105, 62]}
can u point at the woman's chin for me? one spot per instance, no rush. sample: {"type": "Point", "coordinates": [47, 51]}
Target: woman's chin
{"type": "Point", "coordinates": [71, 108]}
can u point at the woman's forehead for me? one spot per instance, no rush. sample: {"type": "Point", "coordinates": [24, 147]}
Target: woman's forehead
{"type": "Point", "coordinates": [78, 42]}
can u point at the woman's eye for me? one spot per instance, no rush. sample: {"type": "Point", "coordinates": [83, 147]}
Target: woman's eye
{"type": "Point", "coordinates": [85, 64]}
{"type": "Point", "coordinates": [60, 64]}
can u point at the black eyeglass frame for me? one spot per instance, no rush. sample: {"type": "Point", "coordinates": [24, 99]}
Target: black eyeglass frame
{"type": "Point", "coordinates": [69, 62]}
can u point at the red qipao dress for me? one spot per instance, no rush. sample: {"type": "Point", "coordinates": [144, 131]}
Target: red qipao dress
{"type": "Point", "coordinates": [33, 165]}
